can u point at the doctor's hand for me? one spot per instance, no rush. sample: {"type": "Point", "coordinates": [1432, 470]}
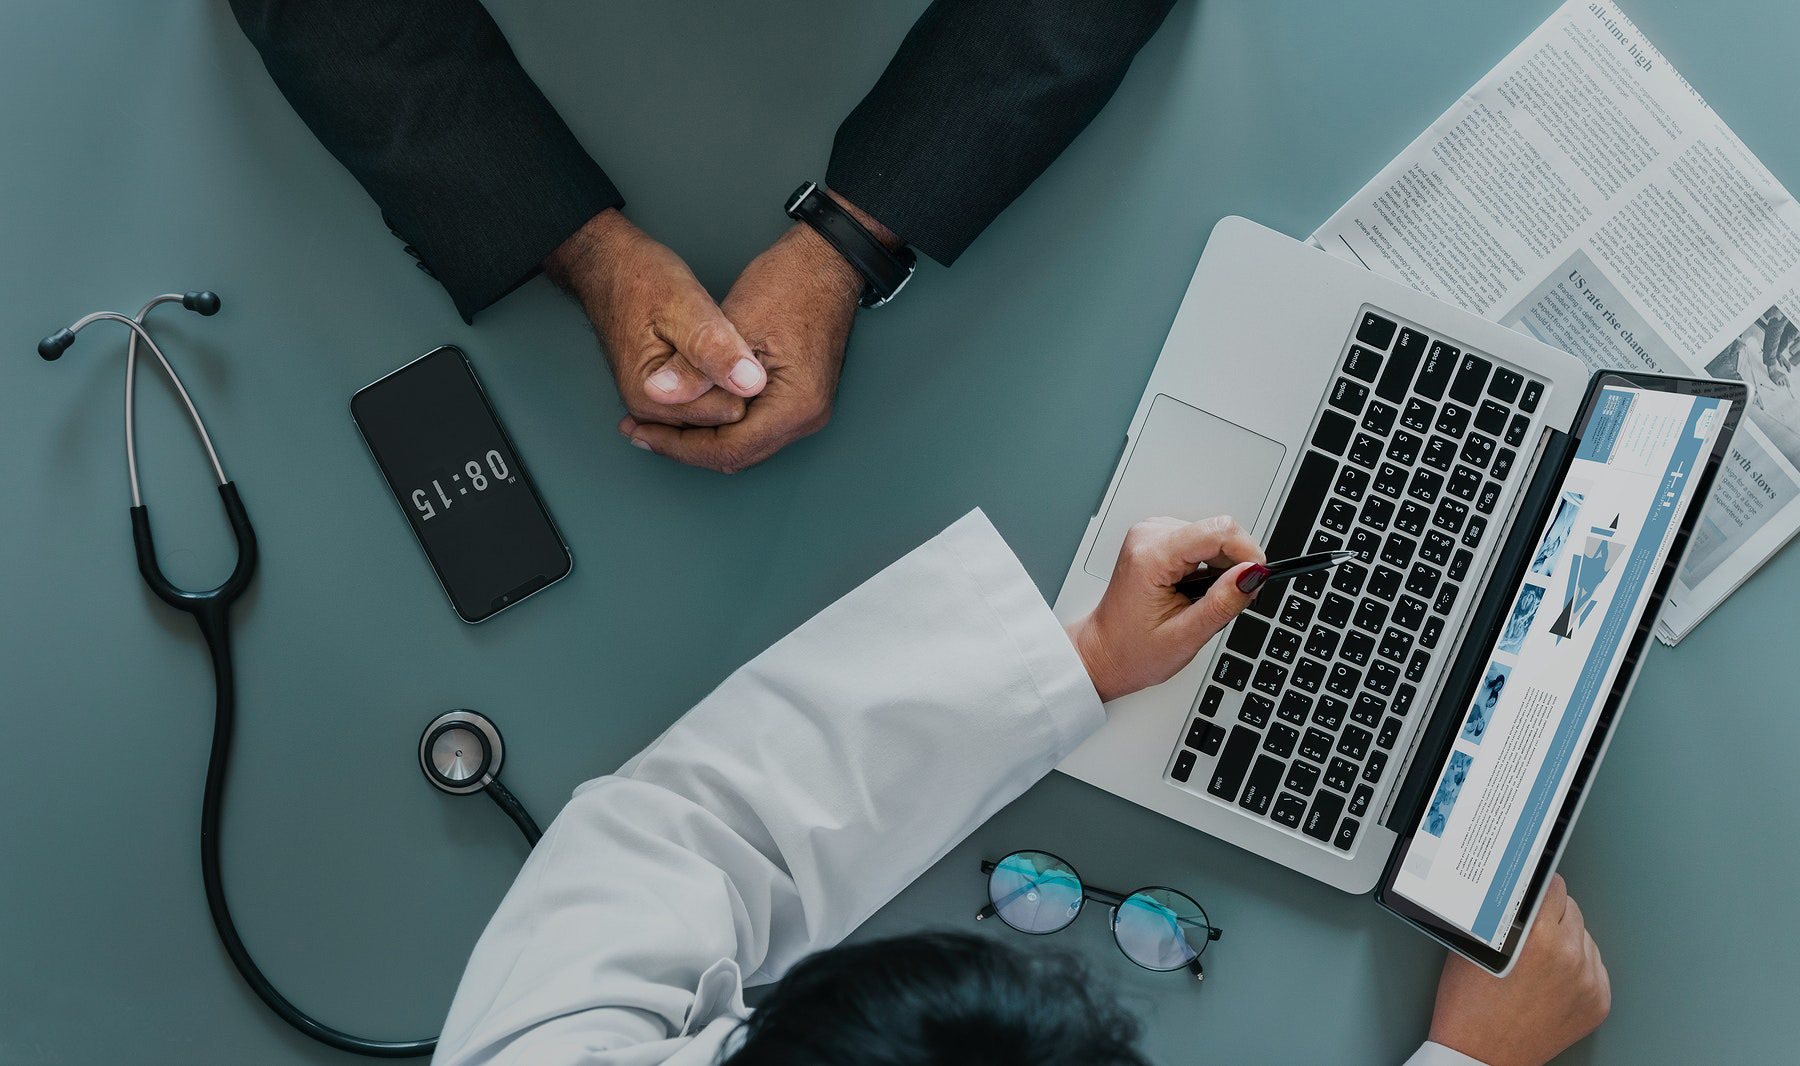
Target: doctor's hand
{"type": "Point", "coordinates": [1143, 631]}
{"type": "Point", "coordinates": [675, 356]}
{"type": "Point", "coordinates": [794, 304]}
{"type": "Point", "coordinates": [1557, 993]}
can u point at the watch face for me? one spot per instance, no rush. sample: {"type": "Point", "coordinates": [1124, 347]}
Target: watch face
{"type": "Point", "coordinates": [800, 195]}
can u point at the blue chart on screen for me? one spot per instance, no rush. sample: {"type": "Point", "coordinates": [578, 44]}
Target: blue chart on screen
{"type": "Point", "coordinates": [1448, 789]}
{"type": "Point", "coordinates": [1481, 712]}
{"type": "Point", "coordinates": [1512, 638]}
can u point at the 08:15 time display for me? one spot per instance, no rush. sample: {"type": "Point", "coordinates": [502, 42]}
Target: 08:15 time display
{"type": "Point", "coordinates": [477, 479]}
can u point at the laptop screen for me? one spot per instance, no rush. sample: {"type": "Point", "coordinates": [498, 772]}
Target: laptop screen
{"type": "Point", "coordinates": [1473, 856]}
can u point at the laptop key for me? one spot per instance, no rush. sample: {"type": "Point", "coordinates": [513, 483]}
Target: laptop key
{"type": "Point", "coordinates": [1321, 819]}
{"type": "Point", "coordinates": [1335, 611]}
{"type": "Point", "coordinates": [1367, 710]}
{"type": "Point", "coordinates": [1381, 678]}
{"type": "Point", "coordinates": [1450, 515]}
{"type": "Point", "coordinates": [1528, 400]}
{"type": "Point", "coordinates": [1471, 537]}
{"type": "Point", "coordinates": [1418, 415]}
{"type": "Point", "coordinates": [1338, 516]}
{"type": "Point", "coordinates": [1397, 550]}
{"type": "Point", "coordinates": [1305, 497]}
{"type": "Point", "coordinates": [1207, 736]}
{"type": "Point", "coordinates": [1477, 450]}
{"type": "Point", "coordinates": [1289, 809]}
{"type": "Point", "coordinates": [1362, 363]}
{"type": "Point", "coordinates": [1348, 578]}
{"type": "Point", "coordinates": [1490, 495]}
{"type": "Point", "coordinates": [1269, 678]}
{"type": "Point", "coordinates": [1370, 615]}
{"type": "Point", "coordinates": [1505, 386]}
{"type": "Point", "coordinates": [1364, 543]}
{"type": "Point", "coordinates": [1385, 583]}
{"type": "Point", "coordinates": [1503, 463]}
{"type": "Point", "coordinates": [1425, 485]}
{"type": "Point", "coordinates": [1434, 628]}
{"type": "Point", "coordinates": [1465, 483]}
{"type": "Point", "coordinates": [1373, 769]}
{"type": "Point", "coordinates": [1446, 598]}
{"type": "Point", "coordinates": [1375, 331]}
{"type": "Point", "coordinates": [1440, 452]}
{"type": "Point", "coordinates": [1357, 648]}
{"type": "Point", "coordinates": [1489, 418]}
{"type": "Point", "coordinates": [1296, 613]}
{"type": "Point", "coordinates": [1436, 548]}
{"type": "Point", "coordinates": [1470, 377]}
{"type": "Point", "coordinates": [1351, 483]}
{"type": "Point", "coordinates": [1403, 448]}
{"type": "Point", "coordinates": [1280, 740]}
{"type": "Point", "coordinates": [1348, 396]}
{"type": "Point", "coordinates": [1409, 612]}
{"type": "Point", "coordinates": [1315, 745]}
{"type": "Point", "coordinates": [1376, 512]}
{"type": "Point", "coordinates": [1232, 672]}
{"type": "Point", "coordinates": [1329, 714]}
{"type": "Point", "coordinates": [1397, 376]}
{"type": "Point", "coordinates": [1379, 418]}
{"type": "Point", "coordinates": [1234, 763]}
{"type": "Point", "coordinates": [1359, 802]}
{"type": "Point", "coordinates": [1346, 834]}
{"type": "Point", "coordinates": [1396, 644]}
{"type": "Point", "coordinates": [1440, 363]}
{"type": "Point", "coordinates": [1247, 634]}
{"type": "Point", "coordinates": [1365, 451]}
{"type": "Point", "coordinates": [1302, 777]}
{"type": "Point", "coordinates": [1515, 430]}
{"type": "Point", "coordinates": [1412, 518]}
{"type": "Point", "coordinates": [1389, 480]}
{"type": "Point", "coordinates": [1322, 642]}
{"type": "Point", "coordinates": [1459, 565]}
{"type": "Point", "coordinates": [1423, 580]}
{"type": "Point", "coordinates": [1354, 742]}
{"type": "Point", "coordinates": [1390, 732]}
{"type": "Point", "coordinates": [1313, 584]}
{"type": "Point", "coordinates": [1332, 432]}
{"type": "Point", "coordinates": [1321, 542]}
{"type": "Point", "coordinates": [1343, 680]}
{"type": "Point", "coordinates": [1184, 765]}
{"type": "Point", "coordinates": [1283, 645]}
{"type": "Point", "coordinates": [1308, 674]}
{"type": "Point", "coordinates": [1259, 791]}
{"type": "Point", "coordinates": [1341, 774]}
{"type": "Point", "coordinates": [1452, 420]}
{"type": "Point", "coordinates": [1210, 700]}
{"type": "Point", "coordinates": [1294, 707]}
{"type": "Point", "coordinates": [1256, 710]}
{"type": "Point", "coordinates": [1403, 698]}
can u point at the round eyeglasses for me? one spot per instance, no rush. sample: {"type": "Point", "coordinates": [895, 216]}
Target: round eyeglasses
{"type": "Point", "coordinates": [1157, 928]}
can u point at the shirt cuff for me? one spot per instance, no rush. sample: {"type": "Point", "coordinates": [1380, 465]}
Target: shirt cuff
{"type": "Point", "coordinates": [1434, 1054]}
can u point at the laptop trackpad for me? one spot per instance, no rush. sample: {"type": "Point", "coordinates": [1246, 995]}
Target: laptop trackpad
{"type": "Point", "coordinates": [1186, 464]}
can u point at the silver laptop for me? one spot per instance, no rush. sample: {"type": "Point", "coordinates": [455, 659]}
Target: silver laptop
{"type": "Point", "coordinates": [1326, 407]}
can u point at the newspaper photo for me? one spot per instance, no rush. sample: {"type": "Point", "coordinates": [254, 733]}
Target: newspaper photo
{"type": "Point", "coordinates": [1584, 194]}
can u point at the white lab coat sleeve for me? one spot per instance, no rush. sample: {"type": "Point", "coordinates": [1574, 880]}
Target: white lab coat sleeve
{"type": "Point", "coordinates": [1430, 1054]}
{"type": "Point", "coordinates": [797, 798]}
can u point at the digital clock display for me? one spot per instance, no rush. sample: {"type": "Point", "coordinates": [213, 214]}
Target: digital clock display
{"type": "Point", "coordinates": [453, 470]}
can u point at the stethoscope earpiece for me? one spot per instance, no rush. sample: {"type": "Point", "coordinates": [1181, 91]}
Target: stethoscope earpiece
{"type": "Point", "coordinates": [460, 752]}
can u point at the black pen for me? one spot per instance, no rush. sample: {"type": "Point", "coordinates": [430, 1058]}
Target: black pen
{"type": "Point", "coordinates": [1195, 584]}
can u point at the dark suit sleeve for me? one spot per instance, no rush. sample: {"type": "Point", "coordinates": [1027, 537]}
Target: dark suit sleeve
{"type": "Point", "coordinates": [423, 101]}
{"type": "Point", "coordinates": [982, 96]}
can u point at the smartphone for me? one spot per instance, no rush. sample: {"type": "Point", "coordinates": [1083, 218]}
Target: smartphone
{"type": "Point", "coordinates": [460, 483]}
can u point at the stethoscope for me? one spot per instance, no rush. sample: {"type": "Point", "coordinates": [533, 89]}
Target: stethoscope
{"type": "Point", "coordinates": [460, 752]}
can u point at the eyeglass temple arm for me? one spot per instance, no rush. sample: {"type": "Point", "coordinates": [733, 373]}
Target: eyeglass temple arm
{"type": "Point", "coordinates": [1108, 897]}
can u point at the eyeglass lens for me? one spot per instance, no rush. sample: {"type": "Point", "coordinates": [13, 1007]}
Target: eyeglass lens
{"type": "Point", "coordinates": [1035, 892]}
{"type": "Point", "coordinates": [1159, 928]}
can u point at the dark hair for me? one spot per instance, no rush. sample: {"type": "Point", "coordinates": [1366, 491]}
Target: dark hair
{"type": "Point", "coordinates": [938, 999]}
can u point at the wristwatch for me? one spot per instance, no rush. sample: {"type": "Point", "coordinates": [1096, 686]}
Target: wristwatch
{"type": "Point", "coordinates": [884, 273]}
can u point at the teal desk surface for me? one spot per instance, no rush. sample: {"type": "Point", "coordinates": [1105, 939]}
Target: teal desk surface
{"type": "Point", "coordinates": [147, 150]}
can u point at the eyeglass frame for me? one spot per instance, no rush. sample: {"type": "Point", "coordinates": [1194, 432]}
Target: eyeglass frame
{"type": "Point", "coordinates": [1113, 900]}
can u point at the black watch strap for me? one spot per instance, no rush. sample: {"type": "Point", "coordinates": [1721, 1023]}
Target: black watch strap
{"type": "Point", "coordinates": [884, 273]}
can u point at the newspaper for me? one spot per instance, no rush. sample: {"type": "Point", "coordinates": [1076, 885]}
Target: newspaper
{"type": "Point", "coordinates": [1584, 194]}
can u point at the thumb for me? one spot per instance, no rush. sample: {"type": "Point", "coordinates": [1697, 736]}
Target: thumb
{"type": "Point", "coordinates": [1202, 620]}
{"type": "Point", "coordinates": [695, 327]}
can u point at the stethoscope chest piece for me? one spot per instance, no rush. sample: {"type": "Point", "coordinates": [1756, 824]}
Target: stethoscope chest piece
{"type": "Point", "coordinates": [460, 752]}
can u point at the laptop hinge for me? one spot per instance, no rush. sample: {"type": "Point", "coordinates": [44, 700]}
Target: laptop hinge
{"type": "Point", "coordinates": [1431, 744]}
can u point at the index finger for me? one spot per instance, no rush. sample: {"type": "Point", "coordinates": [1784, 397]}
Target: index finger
{"type": "Point", "coordinates": [1217, 541]}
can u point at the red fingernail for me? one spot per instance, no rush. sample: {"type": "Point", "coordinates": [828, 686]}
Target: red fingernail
{"type": "Point", "coordinates": [1252, 579]}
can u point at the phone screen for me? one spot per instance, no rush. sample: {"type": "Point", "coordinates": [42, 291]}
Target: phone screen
{"type": "Point", "coordinates": [460, 484]}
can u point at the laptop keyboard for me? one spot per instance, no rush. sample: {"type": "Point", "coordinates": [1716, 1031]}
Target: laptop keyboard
{"type": "Point", "coordinates": [1313, 694]}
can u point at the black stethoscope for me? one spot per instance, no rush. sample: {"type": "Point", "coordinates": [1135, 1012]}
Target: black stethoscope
{"type": "Point", "coordinates": [460, 752]}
